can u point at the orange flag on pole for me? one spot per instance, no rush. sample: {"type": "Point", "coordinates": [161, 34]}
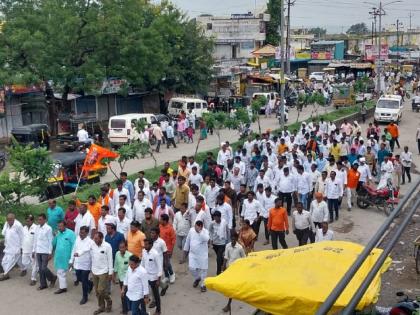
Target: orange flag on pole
{"type": "Point", "coordinates": [94, 157]}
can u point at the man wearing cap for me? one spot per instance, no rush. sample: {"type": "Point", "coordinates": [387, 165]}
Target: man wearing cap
{"type": "Point", "coordinates": [353, 177]}
{"type": "Point", "coordinates": [364, 170]}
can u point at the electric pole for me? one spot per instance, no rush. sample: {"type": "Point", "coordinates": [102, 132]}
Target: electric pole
{"type": "Point", "coordinates": [282, 54]}
{"type": "Point", "coordinates": [379, 62]}
{"type": "Point", "coordinates": [289, 4]}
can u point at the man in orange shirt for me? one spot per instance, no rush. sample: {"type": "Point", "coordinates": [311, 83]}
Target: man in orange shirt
{"type": "Point", "coordinates": [278, 224]}
{"type": "Point", "coordinates": [395, 133]}
{"type": "Point", "coordinates": [135, 239]}
{"type": "Point", "coordinates": [353, 177]}
{"type": "Point", "coordinates": [94, 208]}
{"type": "Point", "coordinates": [167, 233]}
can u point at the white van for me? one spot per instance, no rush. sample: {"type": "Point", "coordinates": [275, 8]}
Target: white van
{"type": "Point", "coordinates": [120, 131]}
{"type": "Point", "coordinates": [178, 104]}
{"type": "Point", "coordinates": [388, 108]}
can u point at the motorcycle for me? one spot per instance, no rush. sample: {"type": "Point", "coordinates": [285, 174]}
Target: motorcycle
{"type": "Point", "coordinates": [407, 306]}
{"type": "Point", "coordinates": [2, 160]}
{"type": "Point", "coordinates": [384, 199]}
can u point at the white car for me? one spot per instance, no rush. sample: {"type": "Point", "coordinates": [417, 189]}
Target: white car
{"type": "Point", "coordinates": [317, 76]}
{"type": "Point", "coordinates": [362, 97]}
{"type": "Point", "coordinates": [388, 108]}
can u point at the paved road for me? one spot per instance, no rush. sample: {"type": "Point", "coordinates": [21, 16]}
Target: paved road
{"type": "Point", "coordinates": [188, 149]}
{"type": "Point", "coordinates": [359, 225]}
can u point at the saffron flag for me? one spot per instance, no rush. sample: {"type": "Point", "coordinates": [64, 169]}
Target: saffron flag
{"type": "Point", "coordinates": [94, 157]}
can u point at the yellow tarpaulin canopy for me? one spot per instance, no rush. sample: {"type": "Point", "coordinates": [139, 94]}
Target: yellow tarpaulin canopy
{"type": "Point", "coordinates": [297, 280]}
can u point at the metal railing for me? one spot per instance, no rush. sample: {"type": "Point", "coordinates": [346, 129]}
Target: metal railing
{"type": "Point", "coordinates": [335, 294]}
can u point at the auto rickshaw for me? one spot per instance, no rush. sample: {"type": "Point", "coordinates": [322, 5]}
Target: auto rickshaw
{"type": "Point", "coordinates": [67, 170]}
{"type": "Point", "coordinates": [67, 139]}
{"type": "Point", "coordinates": [238, 101]}
{"type": "Point", "coordinates": [343, 96]}
{"type": "Point", "coordinates": [35, 135]}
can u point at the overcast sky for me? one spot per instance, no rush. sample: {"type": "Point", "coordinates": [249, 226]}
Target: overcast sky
{"type": "Point", "coordinates": [334, 15]}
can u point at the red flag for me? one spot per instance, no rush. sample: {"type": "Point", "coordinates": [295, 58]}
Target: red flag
{"type": "Point", "coordinates": [96, 154]}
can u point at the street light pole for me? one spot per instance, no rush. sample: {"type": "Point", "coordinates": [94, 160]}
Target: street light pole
{"type": "Point", "coordinates": [282, 51]}
{"type": "Point", "coordinates": [379, 63]}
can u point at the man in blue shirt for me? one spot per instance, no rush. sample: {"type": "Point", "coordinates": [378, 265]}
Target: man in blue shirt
{"type": "Point", "coordinates": [352, 157]}
{"type": "Point", "coordinates": [127, 185]}
{"type": "Point", "coordinates": [55, 214]}
{"type": "Point", "coordinates": [382, 153]}
{"type": "Point", "coordinates": [113, 237]}
{"type": "Point", "coordinates": [321, 162]}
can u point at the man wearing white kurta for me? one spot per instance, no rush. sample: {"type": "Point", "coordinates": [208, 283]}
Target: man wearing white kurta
{"type": "Point", "coordinates": [196, 246]}
{"type": "Point", "coordinates": [13, 238]}
{"type": "Point", "coordinates": [27, 245]}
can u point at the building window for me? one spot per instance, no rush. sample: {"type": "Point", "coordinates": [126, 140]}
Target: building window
{"type": "Point", "coordinates": [209, 26]}
{"type": "Point", "coordinates": [248, 45]}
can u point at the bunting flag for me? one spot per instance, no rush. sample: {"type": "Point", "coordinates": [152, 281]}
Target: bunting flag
{"type": "Point", "coordinates": [94, 157]}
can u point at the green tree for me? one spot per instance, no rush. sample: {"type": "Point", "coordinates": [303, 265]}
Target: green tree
{"type": "Point", "coordinates": [273, 26]}
{"type": "Point", "coordinates": [32, 167]}
{"type": "Point", "coordinates": [77, 44]}
{"type": "Point", "coordinates": [358, 29]}
{"type": "Point", "coordinates": [256, 106]}
{"type": "Point", "coordinates": [317, 31]}
{"type": "Point", "coordinates": [216, 121]}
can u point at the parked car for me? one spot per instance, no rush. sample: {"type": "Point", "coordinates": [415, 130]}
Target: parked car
{"type": "Point", "coordinates": [178, 104]}
{"type": "Point", "coordinates": [317, 76]}
{"type": "Point", "coordinates": [120, 127]}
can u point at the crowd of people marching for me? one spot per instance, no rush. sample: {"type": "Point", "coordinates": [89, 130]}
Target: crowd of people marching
{"type": "Point", "coordinates": [288, 182]}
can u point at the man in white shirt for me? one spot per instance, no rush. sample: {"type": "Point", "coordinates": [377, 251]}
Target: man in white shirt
{"type": "Point", "coordinates": [268, 202]}
{"type": "Point", "coordinates": [324, 233]}
{"type": "Point", "coordinates": [136, 286]}
{"type": "Point", "coordinates": [196, 247]}
{"type": "Point", "coordinates": [191, 163]}
{"type": "Point", "coordinates": [182, 226]}
{"type": "Point", "coordinates": [152, 261]}
{"type": "Point", "coordinates": [102, 270]}
{"type": "Point", "coordinates": [286, 187]}
{"type": "Point", "coordinates": [140, 204]}
{"type": "Point", "coordinates": [225, 209]}
{"type": "Point", "coordinates": [119, 191]}
{"type": "Point", "coordinates": [84, 218]}
{"type": "Point", "coordinates": [251, 209]}
{"type": "Point", "coordinates": [122, 203]}
{"type": "Point", "coordinates": [105, 218]}
{"type": "Point", "coordinates": [195, 178]}
{"type": "Point", "coordinates": [223, 156]}
{"type": "Point", "coordinates": [27, 245]}
{"type": "Point", "coordinates": [319, 212]}
{"type": "Point", "coordinates": [364, 170]}
{"type": "Point", "coordinates": [387, 170]}
{"type": "Point", "coordinates": [43, 250]}
{"type": "Point", "coordinates": [303, 186]}
{"type": "Point", "coordinates": [123, 223]}
{"type": "Point", "coordinates": [81, 261]}
{"type": "Point", "coordinates": [302, 224]}
{"type": "Point", "coordinates": [334, 192]}
{"type": "Point", "coordinates": [82, 135]}
{"type": "Point", "coordinates": [13, 240]}
{"type": "Point", "coordinates": [406, 160]}
{"type": "Point", "coordinates": [145, 180]}
{"type": "Point", "coordinates": [211, 193]}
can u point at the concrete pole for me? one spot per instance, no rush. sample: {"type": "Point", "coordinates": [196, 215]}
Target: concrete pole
{"type": "Point", "coordinates": [282, 52]}
{"type": "Point", "coordinates": [379, 64]}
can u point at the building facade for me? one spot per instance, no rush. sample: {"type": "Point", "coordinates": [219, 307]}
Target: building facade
{"type": "Point", "coordinates": [236, 36]}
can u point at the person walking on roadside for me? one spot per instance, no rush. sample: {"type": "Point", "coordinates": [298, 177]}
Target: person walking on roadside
{"type": "Point", "coordinates": [81, 261]}
{"type": "Point", "coordinates": [170, 135]}
{"type": "Point", "coordinates": [219, 236]}
{"type": "Point", "coordinates": [55, 214]}
{"type": "Point", "coordinates": [324, 233]}
{"type": "Point", "coordinates": [27, 245]}
{"type": "Point", "coordinates": [233, 252]}
{"type": "Point", "coordinates": [157, 132]}
{"type": "Point", "coordinates": [406, 159]}
{"type": "Point", "coordinates": [418, 139]}
{"type": "Point", "coordinates": [353, 177]}
{"type": "Point", "coordinates": [136, 287]}
{"type": "Point", "coordinates": [302, 224]}
{"type": "Point", "coordinates": [168, 235]}
{"type": "Point", "coordinates": [395, 133]}
{"type": "Point", "coordinates": [319, 213]}
{"type": "Point", "coordinates": [278, 224]}
{"type": "Point", "coordinates": [333, 192]}
{"type": "Point", "coordinates": [121, 263]}
{"type": "Point", "coordinates": [62, 246]}
{"type": "Point", "coordinates": [13, 234]}
{"type": "Point", "coordinates": [152, 262]}
{"type": "Point", "coordinates": [43, 251]}
{"type": "Point", "coordinates": [196, 247]}
{"type": "Point", "coordinates": [102, 271]}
